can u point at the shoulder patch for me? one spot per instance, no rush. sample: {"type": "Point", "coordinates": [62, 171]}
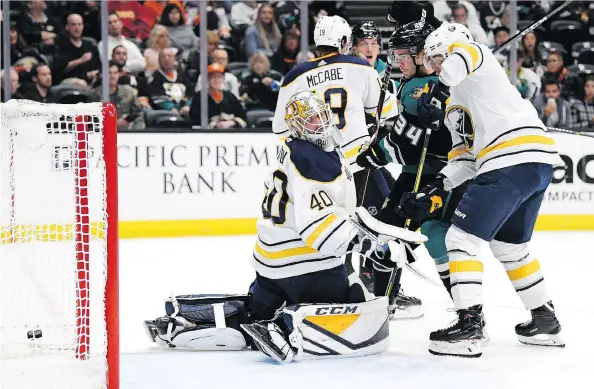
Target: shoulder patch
{"type": "Point", "coordinates": [312, 163]}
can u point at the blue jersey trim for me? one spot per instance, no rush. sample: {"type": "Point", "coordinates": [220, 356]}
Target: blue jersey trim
{"type": "Point", "coordinates": [314, 163]}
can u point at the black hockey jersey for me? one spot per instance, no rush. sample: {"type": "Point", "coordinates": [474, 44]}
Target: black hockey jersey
{"type": "Point", "coordinates": [404, 143]}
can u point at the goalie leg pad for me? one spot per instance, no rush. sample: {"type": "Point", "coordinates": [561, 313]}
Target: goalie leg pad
{"type": "Point", "coordinates": [202, 322]}
{"type": "Point", "coordinates": [338, 330]}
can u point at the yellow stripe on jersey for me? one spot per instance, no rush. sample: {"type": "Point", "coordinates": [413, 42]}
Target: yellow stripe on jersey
{"type": "Point", "coordinates": [524, 271]}
{"type": "Point", "coordinates": [388, 107]}
{"type": "Point", "coordinates": [353, 152]}
{"type": "Point", "coordinates": [282, 254]}
{"type": "Point", "coordinates": [456, 152]}
{"type": "Point", "coordinates": [521, 140]}
{"type": "Point", "coordinates": [471, 265]}
{"type": "Point", "coordinates": [471, 50]}
{"type": "Point", "coordinates": [320, 229]}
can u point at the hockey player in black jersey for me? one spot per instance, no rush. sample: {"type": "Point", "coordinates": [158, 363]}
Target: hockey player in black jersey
{"type": "Point", "coordinates": [403, 145]}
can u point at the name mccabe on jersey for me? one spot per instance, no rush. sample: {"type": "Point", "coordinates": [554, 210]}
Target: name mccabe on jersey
{"type": "Point", "coordinates": [324, 76]}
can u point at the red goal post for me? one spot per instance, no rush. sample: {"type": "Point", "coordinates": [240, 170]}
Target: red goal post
{"type": "Point", "coordinates": [59, 321]}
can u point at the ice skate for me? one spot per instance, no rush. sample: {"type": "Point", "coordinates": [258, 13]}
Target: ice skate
{"type": "Point", "coordinates": [406, 307]}
{"type": "Point", "coordinates": [543, 329]}
{"type": "Point", "coordinates": [463, 337]}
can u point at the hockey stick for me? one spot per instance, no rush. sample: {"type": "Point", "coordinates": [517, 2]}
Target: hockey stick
{"type": "Point", "coordinates": [397, 271]}
{"type": "Point", "coordinates": [380, 107]}
{"type": "Point", "coordinates": [570, 132]}
{"type": "Point", "coordinates": [531, 27]}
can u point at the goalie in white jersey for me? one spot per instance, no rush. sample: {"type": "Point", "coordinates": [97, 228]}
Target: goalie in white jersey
{"type": "Point", "coordinates": [500, 143]}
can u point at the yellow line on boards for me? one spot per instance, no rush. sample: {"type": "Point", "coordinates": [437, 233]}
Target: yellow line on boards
{"type": "Point", "coordinates": [216, 227]}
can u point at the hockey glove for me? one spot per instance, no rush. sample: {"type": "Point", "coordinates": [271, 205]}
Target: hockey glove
{"type": "Point", "coordinates": [372, 157]}
{"type": "Point", "coordinates": [417, 206]}
{"type": "Point", "coordinates": [432, 104]}
{"type": "Point", "coordinates": [404, 12]}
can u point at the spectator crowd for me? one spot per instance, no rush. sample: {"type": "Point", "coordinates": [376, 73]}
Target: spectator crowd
{"type": "Point", "coordinates": [154, 56]}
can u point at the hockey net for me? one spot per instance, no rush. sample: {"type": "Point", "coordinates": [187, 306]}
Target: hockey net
{"type": "Point", "coordinates": [58, 246]}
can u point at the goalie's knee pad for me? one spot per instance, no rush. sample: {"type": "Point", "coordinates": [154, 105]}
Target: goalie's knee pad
{"type": "Point", "coordinates": [202, 322]}
{"type": "Point", "coordinates": [338, 330]}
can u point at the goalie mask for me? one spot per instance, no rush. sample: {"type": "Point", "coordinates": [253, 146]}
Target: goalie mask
{"type": "Point", "coordinates": [310, 119]}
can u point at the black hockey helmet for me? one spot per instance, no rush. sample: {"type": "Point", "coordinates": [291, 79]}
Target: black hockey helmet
{"type": "Point", "coordinates": [365, 29]}
{"type": "Point", "coordinates": [410, 36]}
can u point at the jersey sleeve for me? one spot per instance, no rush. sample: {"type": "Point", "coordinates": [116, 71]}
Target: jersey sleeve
{"type": "Point", "coordinates": [464, 59]}
{"type": "Point", "coordinates": [322, 224]}
{"type": "Point", "coordinates": [372, 90]}
{"type": "Point", "coordinates": [461, 163]}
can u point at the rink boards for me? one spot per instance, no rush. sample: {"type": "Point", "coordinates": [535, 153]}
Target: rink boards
{"type": "Point", "coordinates": [193, 184]}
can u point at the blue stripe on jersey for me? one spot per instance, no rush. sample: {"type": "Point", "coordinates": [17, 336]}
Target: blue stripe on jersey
{"type": "Point", "coordinates": [305, 67]}
{"type": "Point", "coordinates": [314, 163]}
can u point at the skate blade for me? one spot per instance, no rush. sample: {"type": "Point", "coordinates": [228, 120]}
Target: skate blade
{"type": "Point", "coordinates": [262, 344]}
{"type": "Point", "coordinates": [542, 340]}
{"type": "Point", "coordinates": [410, 313]}
{"type": "Point", "coordinates": [463, 349]}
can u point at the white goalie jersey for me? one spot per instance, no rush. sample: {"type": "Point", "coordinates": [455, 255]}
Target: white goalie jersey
{"type": "Point", "coordinates": [305, 226]}
{"type": "Point", "coordinates": [492, 125]}
{"type": "Point", "coordinates": [349, 85]}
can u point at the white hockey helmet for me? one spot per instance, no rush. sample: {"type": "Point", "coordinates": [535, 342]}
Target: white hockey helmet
{"type": "Point", "coordinates": [309, 118]}
{"type": "Point", "coordinates": [438, 43]}
{"type": "Point", "coordinates": [333, 31]}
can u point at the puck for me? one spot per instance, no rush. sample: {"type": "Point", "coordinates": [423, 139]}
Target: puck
{"type": "Point", "coordinates": [34, 334]}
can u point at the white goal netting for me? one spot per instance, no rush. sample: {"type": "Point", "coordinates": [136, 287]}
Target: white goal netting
{"type": "Point", "coordinates": [53, 247]}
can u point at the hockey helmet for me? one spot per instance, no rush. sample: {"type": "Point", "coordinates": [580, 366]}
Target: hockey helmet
{"type": "Point", "coordinates": [309, 118]}
{"type": "Point", "coordinates": [365, 29]}
{"type": "Point", "coordinates": [439, 41]}
{"type": "Point", "coordinates": [411, 36]}
{"type": "Point", "coordinates": [333, 31]}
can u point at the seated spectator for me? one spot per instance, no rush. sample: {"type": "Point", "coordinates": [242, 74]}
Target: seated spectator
{"type": "Point", "coordinates": [244, 13]}
{"type": "Point", "coordinates": [259, 86]}
{"type": "Point", "coordinates": [216, 16]}
{"type": "Point", "coordinates": [159, 5]}
{"type": "Point", "coordinates": [501, 19]}
{"type": "Point", "coordinates": [212, 42]}
{"type": "Point", "coordinates": [571, 83]}
{"type": "Point", "coordinates": [38, 28]}
{"type": "Point", "coordinates": [181, 35]}
{"type": "Point", "coordinates": [493, 14]}
{"type": "Point", "coordinates": [532, 54]}
{"type": "Point", "coordinates": [224, 109]}
{"type": "Point", "coordinates": [139, 84]}
{"type": "Point", "coordinates": [230, 82]}
{"type": "Point", "coordinates": [460, 15]}
{"type": "Point", "coordinates": [137, 19]}
{"type": "Point", "coordinates": [582, 108]}
{"type": "Point", "coordinates": [135, 62]}
{"type": "Point", "coordinates": [41, 90]}
{"type": "Point", "coordinates": [552, 109]}
{"type": "Point", "coordinates": [224, 28]}
{"type": "Point", "coordinates": [14, 85]}
{"type": "Point", "coordinates": [158, 41]}
{"type": "Point", "coordinates": [528, 83]}
{"type": "Point", "coordinates": [285, 58]}
{"type": "Point", "coordinates": [264, 35]}
{"type": "Point", "coordinates": [168, 88]}
{"type": "Point", "coordinates": [124, 98]}
{"type": "Point", "coordinates": [21, 51]}
{"type": "Point", "coordinates": [90, 11]}
{"type": "Point", "coordinates": [443, 10]}
{"type": "Point", "coordinates": [501, 35]}
{"type": "Point", "coordinates": [77, 60]}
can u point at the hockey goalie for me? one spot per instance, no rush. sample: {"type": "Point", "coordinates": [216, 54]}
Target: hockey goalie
{"type": "Point", "coordinates": [302, 303]}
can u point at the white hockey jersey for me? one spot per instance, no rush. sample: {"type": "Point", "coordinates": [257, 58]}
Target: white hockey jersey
{"type": "Point", "coordinates": [304, 227]}
{"type": "Point", "coordinates": [351, 87]}
{"type": "Point", "coordinates": [492, 126]}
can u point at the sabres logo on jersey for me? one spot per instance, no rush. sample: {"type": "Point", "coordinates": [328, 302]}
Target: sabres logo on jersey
{"type": "Point", "coordinates": [459, 120]}
{"type": "Point", "coordinates": [416, 93]}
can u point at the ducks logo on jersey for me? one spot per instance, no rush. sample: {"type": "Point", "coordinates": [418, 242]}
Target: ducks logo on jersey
{"type": "Point", "coordinates": [416, 93]}
{"type": "Point", "coordinates": [458, 119]}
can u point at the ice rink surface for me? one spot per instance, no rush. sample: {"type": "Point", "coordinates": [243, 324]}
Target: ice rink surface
{"type": "Point", "coordinates": [151, 270]}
